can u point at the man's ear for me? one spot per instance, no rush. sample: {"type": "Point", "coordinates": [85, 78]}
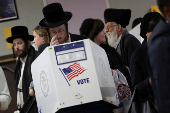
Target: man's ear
{"type": "Point", "coordinates": [166, 11]}
{"type": "Point", "coordinates": [94, 39]}
{"type": "Point", "coordinates": [28, 42]}
{"type": "Point", "coordinates": [119, 27]}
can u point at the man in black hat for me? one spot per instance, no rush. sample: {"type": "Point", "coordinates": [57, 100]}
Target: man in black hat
{"type": "Point", "coordinates": [25, 54]}
{"type": "Point", "coordinates": [55, 20]}
{"type": "Point", "coordinates": [118, 37]}
{"type": "Point", "coordinates": [159, 56]}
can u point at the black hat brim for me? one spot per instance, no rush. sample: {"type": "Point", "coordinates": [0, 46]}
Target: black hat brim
{"type": "Point", "coordinates": [24, 37]}
{"type": "Point", "coordinates": [44, 24]}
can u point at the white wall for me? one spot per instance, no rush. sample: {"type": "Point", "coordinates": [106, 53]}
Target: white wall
{"type": "Point", "coordinates": [82, 9]}
{"type": "Point", "coordinates": [138, 7]}
{"type": "Point", "coordinates": [29, 12]}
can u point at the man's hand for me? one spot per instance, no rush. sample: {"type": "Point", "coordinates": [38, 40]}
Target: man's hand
{"type": "Point", "coordinates": [17, 111]}
{"type": "Point", "coordinates": [114, 72]}
{"type": "Point", "coordinates": [54, 41]}
{"type": "Point", "coordinates": [31, 92]}
{"type": "Point", "coordinates": [150, 82]}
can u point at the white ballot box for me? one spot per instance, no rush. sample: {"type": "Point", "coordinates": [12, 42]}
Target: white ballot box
{"type": "Point", "coordinates": [73, 74]}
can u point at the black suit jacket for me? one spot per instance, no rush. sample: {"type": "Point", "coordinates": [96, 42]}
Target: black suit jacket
{"type": "Point", "coordinates": [27, 77]}
{"type": "Point", "coordinates": [139, 69]}
{"type": "Point", "coordinates": [128, 44]}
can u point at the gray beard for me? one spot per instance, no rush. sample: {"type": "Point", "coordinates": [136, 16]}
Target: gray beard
{"type": "Point", "coordinates": [112, 38]}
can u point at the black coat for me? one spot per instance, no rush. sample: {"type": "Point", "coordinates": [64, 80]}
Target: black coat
{"type": "Point", "coordinates": [73, 38]}
{"type": "Point", "coordinates": [27, 76]}
{"type": "Point", "coordinates": [128, 44]}
{"type": "Point", "coordinates": [159, 57]}
{"type": "Point", "coordinates": [114, 58]}
{"type": "Point", "coordinates": [117, 62]}
{"type": "Point", "coordinates": [139, 69]}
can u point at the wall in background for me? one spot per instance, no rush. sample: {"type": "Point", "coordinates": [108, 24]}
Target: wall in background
{"type": "Point", "coordinates": [81, 10]}
{"type": "Point", "coordinates": [29, 12]}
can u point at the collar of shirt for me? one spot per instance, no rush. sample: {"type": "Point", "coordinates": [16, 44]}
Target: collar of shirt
{"type": "Point", "coordinates": [20, 100]}
{"type": "Point", "coordinates": [118, 40]}
{"type": "Point", "coordinates": [23, 60]}
{"type": "Point", "coordinates": [69, 39]}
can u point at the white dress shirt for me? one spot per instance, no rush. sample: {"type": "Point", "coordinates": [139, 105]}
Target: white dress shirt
{"type": "Point", "coordinates": [20, 101]}
{"type": "Point", "coordinates": [118, 41]}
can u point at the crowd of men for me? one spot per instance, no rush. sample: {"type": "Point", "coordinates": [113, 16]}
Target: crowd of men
{"type": "Point", "coordinates": [155, 47]}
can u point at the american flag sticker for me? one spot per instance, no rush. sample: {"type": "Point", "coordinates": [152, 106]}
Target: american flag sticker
{"type": "Point", "coordinates": [72, 71]}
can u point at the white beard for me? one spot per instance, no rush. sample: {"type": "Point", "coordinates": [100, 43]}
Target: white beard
{"type": "Point", "coordinates": [112, 38]}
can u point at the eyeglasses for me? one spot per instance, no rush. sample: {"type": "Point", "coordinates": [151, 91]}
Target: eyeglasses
{"type": "Point", "coordinates": [55, 32]}
{"type": "Point", "coordinates": [108, 27]}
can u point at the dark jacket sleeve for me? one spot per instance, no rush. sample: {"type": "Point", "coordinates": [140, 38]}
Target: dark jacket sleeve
{"type": "Point", "coordinates": [143, 88]}
{"type": "Point", "coordinates": [132, 44]}
{"type": "Point", "coordinates": [140, 75]}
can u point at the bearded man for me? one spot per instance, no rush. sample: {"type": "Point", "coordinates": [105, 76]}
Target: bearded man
{"type": "Point", "coordinates": [57, 26]}
{"type": "Point", "coordinates": [118, 37]}
{"type": "Point", "coordinates": [25, 54]}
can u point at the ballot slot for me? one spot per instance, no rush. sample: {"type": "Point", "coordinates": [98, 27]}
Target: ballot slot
{"type": "Point", "coordinates": [70, 53]}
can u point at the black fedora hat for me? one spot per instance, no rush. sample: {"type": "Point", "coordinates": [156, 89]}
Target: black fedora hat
{"type": "Point", "coordinates": [19, 32]}
{"type": "Point", "coordinates": [54, 16]}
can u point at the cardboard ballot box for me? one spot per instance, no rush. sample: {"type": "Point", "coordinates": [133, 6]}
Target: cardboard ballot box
{"type": "Point", "coordinates": [72, 74]}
